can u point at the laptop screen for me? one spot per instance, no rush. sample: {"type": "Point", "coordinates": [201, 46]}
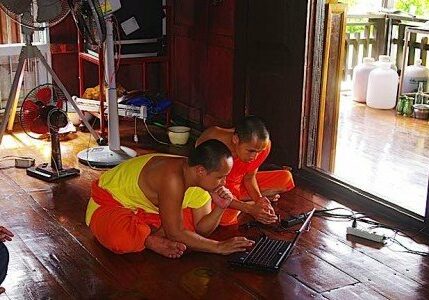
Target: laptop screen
{"type": "Point", "coordinates": [300, 231]}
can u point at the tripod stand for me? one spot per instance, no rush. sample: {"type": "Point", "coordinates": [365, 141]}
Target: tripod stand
{"type": "Point", "coordinates": [29, 51]}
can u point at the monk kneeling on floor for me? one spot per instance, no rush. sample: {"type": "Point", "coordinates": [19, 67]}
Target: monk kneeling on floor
{"type": "Point", "coordinates": [250, 145]}
{"type": "Point", "coordinates": [162, 202]}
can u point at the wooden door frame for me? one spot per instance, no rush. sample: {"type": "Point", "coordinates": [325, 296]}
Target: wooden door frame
{"type": "Point", "coordinates": [329, 106]}
{"type": "Point", "coordinates": [308, 171]}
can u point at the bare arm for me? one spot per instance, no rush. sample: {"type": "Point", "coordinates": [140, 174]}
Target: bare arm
{"type": "Point", "coordinates": [261, 208]}
{"type": "Point", "coordinates": [170, 207]}
{"type": "Point", "coordinates": [251, 186]}
{"type": "Point", "coordinates": [206, 220]}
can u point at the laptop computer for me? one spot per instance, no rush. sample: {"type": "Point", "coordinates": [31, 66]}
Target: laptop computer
{"type": "Point", "coordinates": [268, 254]}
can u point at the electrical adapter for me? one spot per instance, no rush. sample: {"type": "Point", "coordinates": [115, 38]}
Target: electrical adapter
{"type": "Point", "coordinates": [24, 162]}
{"type": "Point", "coordinates": [292, 221]}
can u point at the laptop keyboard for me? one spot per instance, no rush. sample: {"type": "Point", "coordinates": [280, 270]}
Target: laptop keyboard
{"type": "Point", "coordinates": [267, 254]}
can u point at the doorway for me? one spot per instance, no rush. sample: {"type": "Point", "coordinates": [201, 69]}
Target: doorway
{"type": "Point", "coordinates": [375, 150]}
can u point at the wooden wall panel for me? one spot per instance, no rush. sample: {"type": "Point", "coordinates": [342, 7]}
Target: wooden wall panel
{"type": "Point", "coordinates": [182, 69]}
{"type": "Point", "coordinates": [63, 38]}
{"type": "Point", "coordinates": [275, 72]}
{"type": "Point", "coordinates": [220, 84]}
{"type": "Point", "coordinates": [221, 18]}
{"type": "Point", "coordinates": [184, 12]}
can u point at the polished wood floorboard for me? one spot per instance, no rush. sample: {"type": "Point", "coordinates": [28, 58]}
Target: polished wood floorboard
{"type": "Point", "coordinates": [54, 256]}
{"type": "Point", "coordinates": [384, 154]}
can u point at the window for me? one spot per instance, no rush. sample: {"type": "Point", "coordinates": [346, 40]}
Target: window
{"type": "Point", "coordinates": [11, 41]}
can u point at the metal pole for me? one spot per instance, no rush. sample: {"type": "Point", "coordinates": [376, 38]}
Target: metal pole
{"type": "Point", "coordinates": [113, 130]}
{"type": "Point", "coordinates": [13, 92]}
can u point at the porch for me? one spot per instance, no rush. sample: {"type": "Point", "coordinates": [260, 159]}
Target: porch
{"type": "Point", "coordinates": [377, 151]}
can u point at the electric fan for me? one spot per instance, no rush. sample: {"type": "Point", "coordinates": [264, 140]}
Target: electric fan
{"type": "Point", "coordinates": [42, 113]}
{"type": "Point", "coordinates": [91, 18]}
{"type": "Point", "coordinates": [35, 15]}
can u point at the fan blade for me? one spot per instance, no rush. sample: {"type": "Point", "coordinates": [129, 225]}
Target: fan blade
{"type": "Point", "coordinates": [48, 10]}
{"type": "Point", "coordinates": [39, 126]}
{"type": "Point", "coordinates": [30, 106]}
{"type": "Point", "coordinates": [29, 113]}
{"type": "Point", "coordinates": [44, 95]}
{"type": "Point", "coordinates": [60, 103]}
{"type": "Point", "coordinates": [17, 6]}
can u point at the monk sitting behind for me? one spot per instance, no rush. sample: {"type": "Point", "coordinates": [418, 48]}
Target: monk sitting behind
{"type": "Point", "coordinates": [250, 145]}
{"type": "Point", "coordinates": [160, 202]}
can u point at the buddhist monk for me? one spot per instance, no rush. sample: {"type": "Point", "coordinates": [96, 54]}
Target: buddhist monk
{"type": "Point", "coordinates": [162, 202]}
{"type": "Point", "coordinates": [249, 143]}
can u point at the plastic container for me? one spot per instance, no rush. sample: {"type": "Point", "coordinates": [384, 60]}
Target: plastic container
{"type": "Point", "coordinates": [413, 75]}
{"type": "Point", "coordinates": [421, 111]}
{"type": "Point", "coordinates": [382, 87]}
{"type": "Point", "coordinates": [178, 135]}
{"type": "Point", "coordinates": [74, 118]}
{"type": "Point", "coordinates": [360, 79]}
{"type": "Point", "coordinates": [386, 59]}
{"type": "Point", "coordinates": [419, 97]}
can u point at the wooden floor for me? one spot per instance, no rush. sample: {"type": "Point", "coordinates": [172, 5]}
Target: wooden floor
{"type": "Point", "coordinates": [384, 154]}
{"type": "Point", "coordinates": [53, 254]}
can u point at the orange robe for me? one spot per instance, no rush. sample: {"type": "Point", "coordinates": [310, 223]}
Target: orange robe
{"type": "Point", "coordinates": [121, 229]}
{"type": "Point", "coordinates": [278, 180]}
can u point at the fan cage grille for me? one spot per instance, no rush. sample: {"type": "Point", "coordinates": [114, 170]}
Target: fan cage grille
{"type": "Point", "coordinates": [36, 14]}
{"type": "Point", "coordinates": [89, 19]}
{"type": "Point", "coordinates": [34, 109]}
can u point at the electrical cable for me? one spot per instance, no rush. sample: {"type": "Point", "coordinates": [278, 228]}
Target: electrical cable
{"type": "Point", "coordinates": [136, 138]}
{"type": "Point", "coordinates": [8, 167]}
{"type": "Point", "coordinates": [361, 217]}
{"type": "Point", "coordinates": [150, 133]}
{"type": "Point", "coordinates": [408, 250]}
{"type": "Point", "coordinates": [10, 157]}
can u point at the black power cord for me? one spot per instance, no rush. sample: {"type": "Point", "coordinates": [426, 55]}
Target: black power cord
{"type": "Point", "coordinates": [353, 216]}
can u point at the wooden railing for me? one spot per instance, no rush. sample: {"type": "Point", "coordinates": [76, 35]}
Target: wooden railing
{"type": "Point", "coordinates": [417, 43]}
{"type": "Point", "coordinates": [359, 44]}
{"type": "Point", "coordinates": [377, 34]}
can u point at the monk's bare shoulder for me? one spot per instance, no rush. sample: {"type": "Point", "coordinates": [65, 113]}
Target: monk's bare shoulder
{"type": "Point", "coordinates": [161, 173]}
{"type": "Point", "coordinates": [214, 132]}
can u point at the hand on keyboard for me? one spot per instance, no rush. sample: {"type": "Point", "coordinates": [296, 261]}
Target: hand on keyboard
{"type": "Point", "coordinates": [235, 244]}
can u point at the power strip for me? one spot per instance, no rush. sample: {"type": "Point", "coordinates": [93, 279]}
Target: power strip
{"type": "Point", "coordinates": [366, 234]}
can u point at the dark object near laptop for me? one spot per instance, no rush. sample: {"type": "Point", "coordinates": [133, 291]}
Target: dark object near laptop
{"type": "Point", "coordinates": [268, 254]}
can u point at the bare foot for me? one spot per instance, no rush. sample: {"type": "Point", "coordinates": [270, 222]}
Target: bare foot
{"type": "Point", "coordinates": [164, 246]}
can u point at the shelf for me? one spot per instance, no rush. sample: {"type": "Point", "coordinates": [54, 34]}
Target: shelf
{"type": "Point", "coordinates": [125, 60]}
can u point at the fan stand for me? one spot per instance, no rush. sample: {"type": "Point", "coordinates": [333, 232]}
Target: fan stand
{"type": "Point", "coordinates": [114, 153]}
{"type": "Point", "coordinates": [54, 171]}
{"type": "Point", "coordinates": [29, 51]}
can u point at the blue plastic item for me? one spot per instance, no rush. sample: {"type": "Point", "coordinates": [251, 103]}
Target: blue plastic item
{"type": "Point", "coordinates": [153, 108]}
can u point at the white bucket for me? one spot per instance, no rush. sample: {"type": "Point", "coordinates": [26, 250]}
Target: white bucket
{"type": "Point", "coordinates": [178, 135]}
